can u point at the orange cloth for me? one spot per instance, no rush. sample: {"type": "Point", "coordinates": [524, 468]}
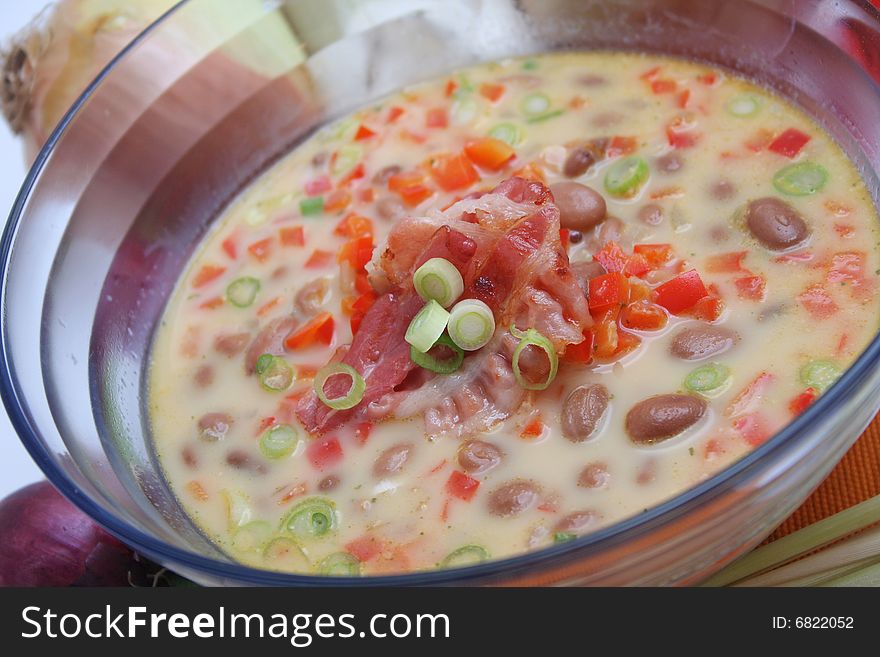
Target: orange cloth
{"type": "Point", "coordinates": [855, 479]}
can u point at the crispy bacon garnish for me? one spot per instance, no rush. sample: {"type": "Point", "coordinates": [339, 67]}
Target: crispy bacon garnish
{"type": "Point", "coordinates": [506, 245]}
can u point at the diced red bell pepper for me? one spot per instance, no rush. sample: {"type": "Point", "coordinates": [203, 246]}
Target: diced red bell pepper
{"type": "Point", "coordinates": [582, 352]}
{"type": "Point", "coordinates": [337, 200]}
{"type": "Point", "coordinates": [207, 274]}
{"type": "Point", "coordinates": [752, 288]}
{"type": "Point", "coordinates": [816, 300]}
{"type": "Point", "coordinates": [657, 255]}
{"type": "Point", "coordinates": [726, 263]}
{"type": "Point", "coordinates": [362, 432]}
{"type": "Point", "coordinates": [626, 342]}
{"type": "Point", "coordinates": [318, 330]}
{"type": "Point", "coordinates": [394, 113]}
{"type": "Point", "coordinates": [451, 87]}
{"type": "Point", "coordinates": [492, 91]}
{"type": "Point", "coordinates": [789, 143]}
{"type": "Point", "coordinates": [324, 452]}
{"type": "Point", "coordinates": [461, 485]}
{"type": "Point", "coordinates": [356, 252]}
{"type": "Point", "coordinates": [643, 316]}
{"type": "Point", "coordinates": [534, 429]}
{"type": "Point", "coordinates": [682, 139]}
{"type": "Point", "coordinates": [319, 185]}
{"type": "Point", "coordinates": [637, 265]}
{"type": "Point", "coordinates": [262, 249]}
{"type": "Point", "coordinates": [750, 396]}
{"type": "Point", "coordinates": [753, 428]}
{"type": "Point", "coordinates": [489, 153]}
{"type": "Point", "coordinates": [363, 132]}
{"type": "Point", "coordinates": [621, 145]}
{"type": "Point", "coordinates": [848, 266]}
{"type": "Point", "coordinates": [292, 236]}
{"type": "Point", "coordinates": [230, 248]}
{"type": "Point", "coordinates": [681, 100]}
{"type": "Point", "coordinates": [436, 118]}
{"type": "Point", "coordinates": [356, 173]}
{"type": "Point", "coordinates": [606, 335]}
{"type": "Point", "coordinates": [211, 304]}
{"type": "Point", "coordinates": [364, 548]}
{"type": "Point", "coordinates": [800, 403]}
{"type": "Point", "coordinates": [453, 172]}
{"type": "Point", "coordinates": [708, 79]}
{"type": "Point", "coordinates": [663, 86]}
{"type": "Point", "coordinates": [354, 225]}
{"type": "Point", "coordinates": [650, 74]}
{"type": "Point", "coordinates": [681, 293]}
{"type": "Point", "coordinates": [708, 308]}
{"type": "Point", "coordinates": [612, 257]}
{"type": "Point", "coordinates": [607, 291]}
{"type": "Point", "coordinates": [319, 259]}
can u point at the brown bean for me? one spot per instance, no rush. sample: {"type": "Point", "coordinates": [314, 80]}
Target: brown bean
{"type": "Point", "coordinates": [592, 80]}
{"type": "Point", "coordinates": [513, 498]}
{"type": "Point", "coordinates": [188, 454]}
{"type": "Point", "coordinates": [390, 208]}
{"type": "Point", "coordinates": [722, 190]}
{"type": "Point", "coordinates": [663, 416]}
{"type": "Point", "coordinates": [669, 163]}
{"type": "Point", "coordinates": [214, 426]}
{"type": "Point", "coordinates": [607, 119]}
{"type": "Point", "coordinates": [580, 207]}
{"type": "Point", "coordinates": [270, 340]}
{"type": "Point", "coordinates": [775, 224]}
{"type": "Point", "coordinates": [578, 162]}
{"type": "Point", "coordinates": [595, 475]}
{"type": "Point", "coordinates": [651, 214]}
{"type": "Point", "coordinates": [582, 411]}
{"type": "Point", "coordinates": [577, 522]}
{"type": "Point", "coordinates": [231, 345]}
{"type": "Point", "coordinates": [702, 341]}
{"type": "Point", "coordinates": [383, 174]}
{"type": "Point", "coordinates": [478, 456]}
{"type": "Point", "coordinates": [392, 460]}
{"type": "Point", "coordinates": [204, 376]}
{"type": "Point", "coordinates": [241, 460]}
{"type": "Point", "coordinates": [312, 296]}
{"type": "Point", "coordinates": [328, 483]}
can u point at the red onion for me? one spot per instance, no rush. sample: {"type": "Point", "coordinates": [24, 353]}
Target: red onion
{"type": "Point", "coordinates": [46, 541]}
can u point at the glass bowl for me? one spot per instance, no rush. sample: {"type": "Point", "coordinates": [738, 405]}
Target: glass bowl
{"type": "Point", "coordinates": [212, 93]}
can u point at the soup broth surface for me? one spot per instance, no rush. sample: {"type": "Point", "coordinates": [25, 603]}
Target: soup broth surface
{"type": "Point", "coordinates": [731, 181]}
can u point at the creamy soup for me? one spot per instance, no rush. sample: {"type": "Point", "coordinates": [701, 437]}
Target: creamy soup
{"type": "Point", "coordinates": [505, 308]}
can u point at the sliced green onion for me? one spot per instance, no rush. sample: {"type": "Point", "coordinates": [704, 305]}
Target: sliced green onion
{"type": "Point", "coordinates": [563, 537]}
{"type": "Point", "coordinates": [427, 326]}
{"type": "Point", "coordinates": [709, 380]}
{"type": "Point", "coordinates": [743, 106]}
{"type": "Point", "coordinates": [466, 555]}
{"type": "Point", "coordinates": [346, 159]}
{"type": "Point", "coordinates": [274, 372]}
{"type": "Point", "coordinates": [341, 564]}
{"type": "Point", "coordinates": [530, 64]}
{"type": "Point", "coordinates": [471, 324]}
{"type": "Point", "coordinates": [507, 132]}
{"type": "Point", "coordinates": [242, 291]}
{"type": "Point", "coordinates": [625, 177]}
{"type": "Point", "coordinates": [801, 179]}
{"type": "Point", "coordinates": [465, 86]}
{"type": "Point", "coordinates": [440, 280]}
{"type": "Point", "coordinates": [438, 365]}
{"type": "Point", "coordinates": [283, 553]}
{"type": "Point", "coordinates": [464, 110]}
{"type": "Point", "coordinates": [540, 118]}
{"type": "Point", "coordinates": [252, 537]}
{"type": "Point", "coordinates": [238, 509]}
{"type": "Point", "coordinates": [820, 374]}
{"type": "Point", "coordinates": [535, 104]}
{"type": "Point", "coordinates": [279, 441]}
{"type": "Point", "coordinates": [533, 338]}
{"type": "Point", "coordinates": [355, 392]}
{"type": "Point", "coordinates": [312, 518]}
{"type": "Point", "coordinates": [311, 206]}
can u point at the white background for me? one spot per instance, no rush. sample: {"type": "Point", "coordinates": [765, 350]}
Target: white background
{"type": "Point", "coordinates": [16, 467]}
